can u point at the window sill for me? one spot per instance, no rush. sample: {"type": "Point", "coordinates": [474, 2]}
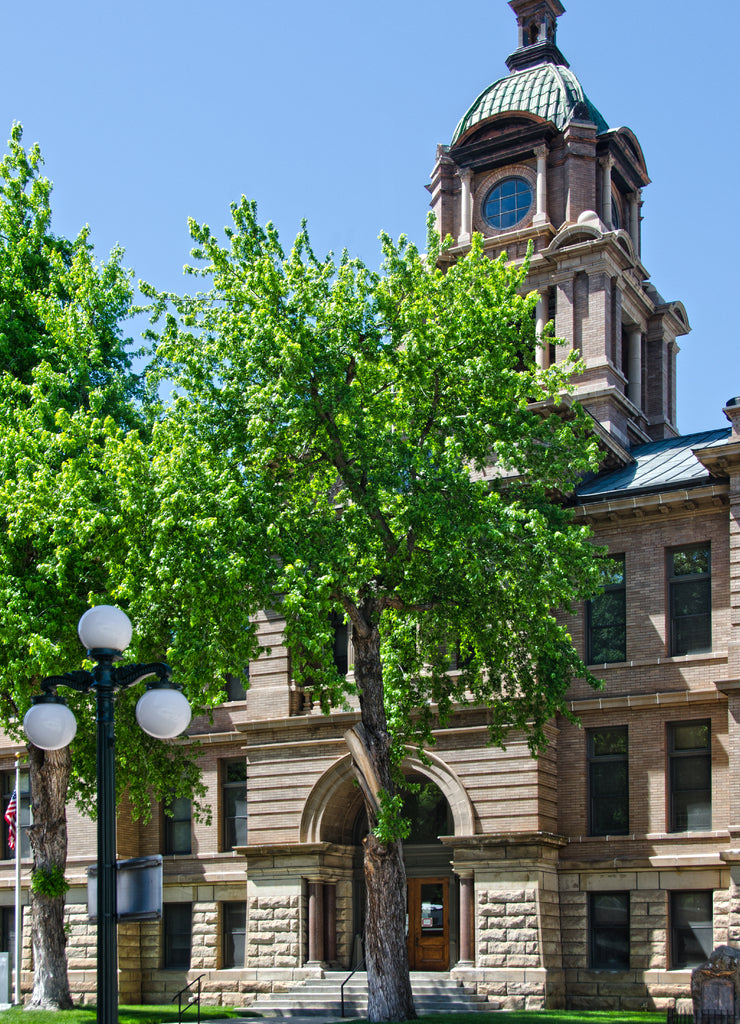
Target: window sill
{"type": "Point", "coordinates": [672, 659]}
{"type": "Point", "coordinates": [718, 833]}
{"type": "Point", "coordinates": [652, 837]}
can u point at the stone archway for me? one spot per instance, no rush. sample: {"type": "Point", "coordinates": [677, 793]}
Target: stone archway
{"type": "Point", "coordinates": [331, 814]}
{"type": "Point", "coordinates": [333, 803]}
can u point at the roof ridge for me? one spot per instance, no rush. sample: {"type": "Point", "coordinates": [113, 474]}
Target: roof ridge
{"type": "Point", "coordinates": [681, 439]}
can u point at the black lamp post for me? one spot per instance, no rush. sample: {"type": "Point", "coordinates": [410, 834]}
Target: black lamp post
{"type": "Point", "coordinates": [162, 711]}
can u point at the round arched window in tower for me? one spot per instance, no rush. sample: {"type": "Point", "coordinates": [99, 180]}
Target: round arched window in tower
{"type": "Point", "coordinates": [508, 203]}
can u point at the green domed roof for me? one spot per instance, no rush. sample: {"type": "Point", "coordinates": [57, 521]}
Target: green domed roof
{"type": "Point", "coordinates": [551, 91]}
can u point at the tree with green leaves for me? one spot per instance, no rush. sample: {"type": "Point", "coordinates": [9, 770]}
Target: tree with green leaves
{"type": "Point", "coordinates": [89, 516]}
{"type": "Point", "coordinates": [400, 457]}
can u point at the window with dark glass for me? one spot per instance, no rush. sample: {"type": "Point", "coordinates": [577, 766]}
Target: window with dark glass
{"type": "Point", "coordinates": [691, 928]}
{"type": "Point", "coordinates": [616, 218]}
{"type": "Point", "coordinates": [606, 617]}
{"type": "Point", "coordinates": [236, 685]}
{"type": "Point", "coordinates": [609, 931]}
{"type": "Point", "coordinates": [690, 599]}
{"type": "Point", "coordinates": [7, 932]}
{"type": "Point", "coordinates": [177, 924]}
{"type": "Point", "coordinates": [508, 203]}
{"type": "Point", "coordinates": [552, 313]}
{"type": "Point", "coordinates": [234, 797]}
{"type": "Point", "coordinates": [461, 656]}
{"type": "Point", "coordinates": [690, 783]}
{"type": "Point", "coordinates": [23, 813]}
{"type": "Point", "coordinates": [178, 826]}
{"type": "Point", "coordinates": [608, 781]}
{"type": "Point", "coordinates": [340, 645]}
{"type": "Point", "coordinates": [234, 933]}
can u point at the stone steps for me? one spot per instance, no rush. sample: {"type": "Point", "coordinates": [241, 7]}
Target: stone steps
{"type": "Point", "coordinates": [321, 997]}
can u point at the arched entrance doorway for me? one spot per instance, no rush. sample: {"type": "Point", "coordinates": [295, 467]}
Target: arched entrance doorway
{"type": "Point", "coordinates": [432, 904]}
{"type": "Point", "coordinates": [334, 814]}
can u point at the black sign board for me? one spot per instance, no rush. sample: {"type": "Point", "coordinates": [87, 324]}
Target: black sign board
{"type": "Point", "coordinates": [138, 889]}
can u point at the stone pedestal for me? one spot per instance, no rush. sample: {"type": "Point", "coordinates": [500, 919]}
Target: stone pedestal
{"type": "Point", "coordinates": [715, 985]}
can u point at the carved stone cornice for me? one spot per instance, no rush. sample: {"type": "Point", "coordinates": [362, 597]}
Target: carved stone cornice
{"type": "Point", "coordinates": [674, 503]}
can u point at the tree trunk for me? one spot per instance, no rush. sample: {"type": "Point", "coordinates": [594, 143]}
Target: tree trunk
{"type": "Point", "coordinates": [49, 777]}
{"type": "Point", "coordinates": [386, 954]}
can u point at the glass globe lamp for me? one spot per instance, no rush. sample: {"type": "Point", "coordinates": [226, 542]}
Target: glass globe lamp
{"type": "Point", "coordinates": [163, 712]}
{"type": "Point", "coordinates": [50, 725]}
{"type": "Point", "coordinates": [105, 627]}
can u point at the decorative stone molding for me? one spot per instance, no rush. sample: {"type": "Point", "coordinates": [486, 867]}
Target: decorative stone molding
{"type": "Point", "coordinates": [485, 185]}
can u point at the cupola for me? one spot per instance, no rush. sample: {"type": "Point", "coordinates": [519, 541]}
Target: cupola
{"type": "Point", "coordinates": [537, 21]}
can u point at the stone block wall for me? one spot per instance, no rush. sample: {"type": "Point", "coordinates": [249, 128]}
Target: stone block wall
{"type": "Point", "coordinates": [649, 984]}
{"type": "Point", "coordinates": [204, 951]}
{"type": "Point", "coordinates": [508, 931]}
{"type": "Point", "coordinates": [509, 950]}
{"type": "Point", "coordinates": [274, 930]}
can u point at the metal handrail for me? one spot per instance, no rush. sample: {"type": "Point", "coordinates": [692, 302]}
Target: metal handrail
{"type": "Point", "coordinates": [178, 996]}
{"type": "Point", "coordinates": [349, 978]}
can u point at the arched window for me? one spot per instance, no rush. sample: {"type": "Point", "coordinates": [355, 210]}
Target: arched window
{"type": "Point", "coordinates": [427, 810]}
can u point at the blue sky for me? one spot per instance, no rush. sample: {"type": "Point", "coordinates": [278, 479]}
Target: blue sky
{"type": "Point", "coordinates": [148, 113]}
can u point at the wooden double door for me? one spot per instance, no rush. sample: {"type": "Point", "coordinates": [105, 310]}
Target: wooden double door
{"type": "Point", "coordinates": [428, 924]}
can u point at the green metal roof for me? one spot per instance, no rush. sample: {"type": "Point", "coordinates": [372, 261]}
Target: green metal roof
{"type": "Point", "coordinates": [657, 466]}
{"type": "Point", "coordinates": [550, 91]}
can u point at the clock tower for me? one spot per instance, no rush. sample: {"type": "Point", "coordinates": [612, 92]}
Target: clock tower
{"type": "Point", "coordinates": [533, 161]}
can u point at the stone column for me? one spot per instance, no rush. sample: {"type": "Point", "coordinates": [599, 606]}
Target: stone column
{"type": "Point", "coordinates": [607, 163]}
{"type": "Point", "coordinates": [635, 203]}
{"type": "Point", "coordinates": [728, 461]}
{"type": "Point", "coordinates": [315, 923]}
{"type": "Point", "coordinates": [541, 216]}
{"type": "Point", "coordinates": [564, 317]}
{"type": "Point", "coordinates": [634, 369]}
{"type": "Point", "coordinates": [467, 912]}
{"type": "Point", "coordinates": [732, 412]}
{"type": "Point", "coordinates": [466, 206]}
{"type": "Point", "coordinates": [330, 922]}
{"type": "Point", "coordinates": [732, 936]}
{"type": "Point", "coordinates": [542, 349]}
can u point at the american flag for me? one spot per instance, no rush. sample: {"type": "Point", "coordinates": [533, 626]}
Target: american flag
{"type": "Point", "coordinates": [11, 816]}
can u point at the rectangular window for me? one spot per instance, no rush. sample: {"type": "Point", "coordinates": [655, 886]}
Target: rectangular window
{"type": "Point", "coordinates": [7, 932]}
{"type": "Point", "coordinates": [552, 314]}
{"type": "Point", "coordinates": [690, 776]}
{"type": "Point", "coordinates": [608, 781]}
{"type": "Point", "coordinates": [690, 599]}
{"type": "Point", "coordinates": [234, 797]}
{"type": "Point", "coordinates": [23, 813]}
{"type": "Point", "coordinates": [236, 685]}
{"type": "Point", "coordinates": [234, 933]}
{"type": "Point", "coordinates": [606, 617]}
{"type": "Point", "coordinates": [177, 923]}
{"type": "Point", "coordinates": [460, 655]}
{"type": "Point", "coordinates": [691, 928]}
{"type": "Point", "coordinates": [609, 931]}
{"type": "Point", "coordinates": [340, 646]}
{"type": "Point", "coordinates": [178, 826]}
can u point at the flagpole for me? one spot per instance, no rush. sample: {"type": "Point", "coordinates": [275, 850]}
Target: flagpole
{"type": "Point", "coordinates": [18, 917]}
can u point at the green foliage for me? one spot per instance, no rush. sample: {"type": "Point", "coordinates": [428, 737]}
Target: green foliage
{"type": "Point", "coordinates": [391, 824]}
{"type": "Point", "coordinates": [89, 513]}
{"type": "Point", "coordinates": [49, 882]}
{"type": "Point", "coordinates": [396, 455]}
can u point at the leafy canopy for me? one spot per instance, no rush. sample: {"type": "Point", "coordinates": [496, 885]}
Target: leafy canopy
{"type": "Point", "coordinates": [88, 513]}
{"type": "Point", "coordinates": [400, 455]}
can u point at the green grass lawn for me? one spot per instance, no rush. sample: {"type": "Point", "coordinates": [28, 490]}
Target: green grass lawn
{"type": "Point", "coordinates": [126, 1015]}
{"type": "Point", "coordinates": [168, 1015]}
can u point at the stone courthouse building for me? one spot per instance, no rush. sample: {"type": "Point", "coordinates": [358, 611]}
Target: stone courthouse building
{"type": "Point", "coordinates": [596, 876]}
